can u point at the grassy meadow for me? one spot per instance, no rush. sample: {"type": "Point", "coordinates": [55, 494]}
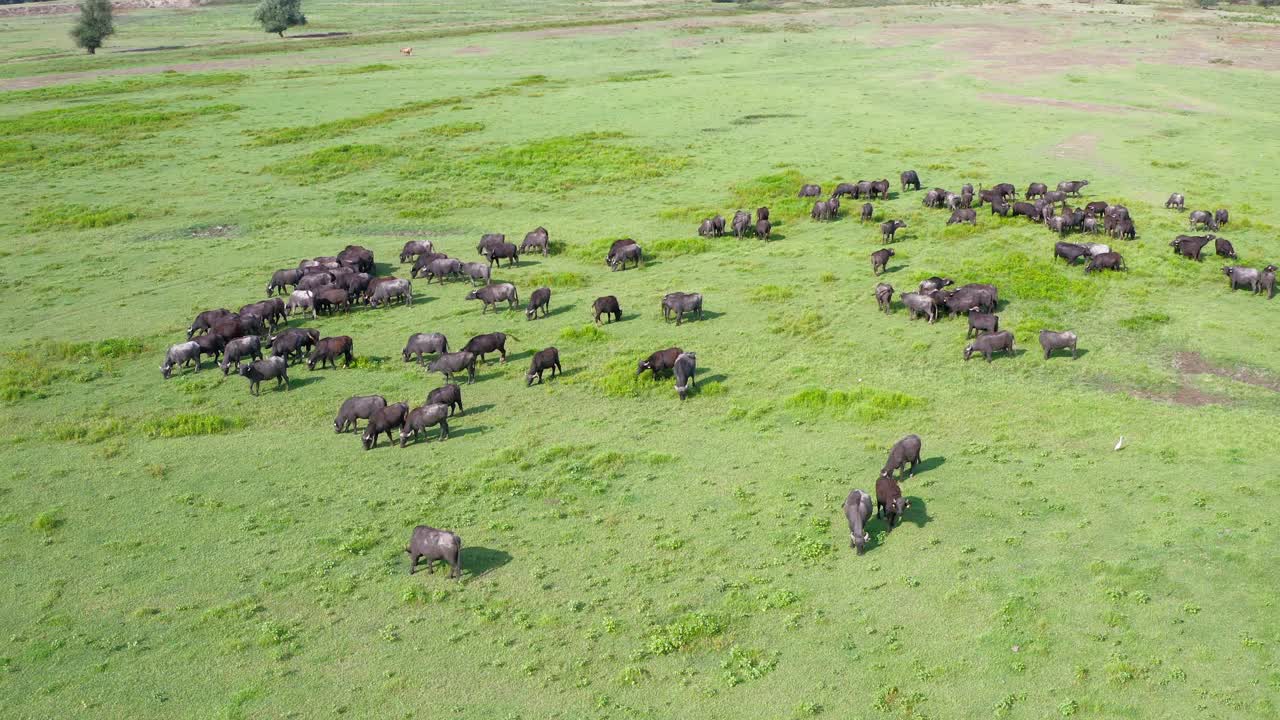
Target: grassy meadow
{"type": "Point", "coordinates": [181, 549]}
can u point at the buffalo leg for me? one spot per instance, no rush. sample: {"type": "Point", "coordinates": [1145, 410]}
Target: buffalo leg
{"type": "Point", "coordinates": [444, 430]}
{"type": "Point", "coordinates": [413, 563]}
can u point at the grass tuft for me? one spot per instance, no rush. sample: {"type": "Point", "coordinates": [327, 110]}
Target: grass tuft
{"type": "Point", "coordinates": [191, 424]}
{"type": "Point", "coordinates": [71, 216]}
{"type": "Point", "coordinates": [557, 280]}
{"type": "Point", "coordinates": [586, 333]}
{"type": "Point", "coordinates": [331, 163]}
{"type": "Point", "coordinates": [863, 403]}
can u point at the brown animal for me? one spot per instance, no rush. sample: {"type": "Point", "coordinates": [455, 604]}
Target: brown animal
{"type": "Point", "coordinates": [406, 51]}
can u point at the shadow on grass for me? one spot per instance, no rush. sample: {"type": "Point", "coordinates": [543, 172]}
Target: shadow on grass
{"type": "Point", "coordinates": [296, 382]}
{"type": "Point", "coordinates": [463, 432]}
{"type": "Point", "coordinates": [917, 514]}
{"type": "Point", "coordinates": [558, 309]}
{"type": "Point", "coordinates": [928, 464]}
{"type": "Point", "coordinates": [478, 409]}
{"type": "Point", "coordinates": [1065, 354]}
{"type": "Point", "coordinates": [480, 561]}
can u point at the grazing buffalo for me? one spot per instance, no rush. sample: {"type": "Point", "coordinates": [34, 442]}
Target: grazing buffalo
{"type": "Point", "coordinates": [414, 248]}
{"type": "Point", "coordinates": [963, 215]}
{"type": "Point", "coordinates": [210, 344]}
{"type": "Point", "coordinates": [270, 368]}
{"type": "Point", "coordinates": [762, 213]}
{"type": "Point", "coordinates": [607, 306]}
{"type": "Point", "coordinates": [889, 501]}
{"type": "Point", "coordinates": [619, 259]}
{"type": "Point", "coordinates": [1096, 208]}
{"type": "Point", "coordinates": [1190, 245]}
{"type": "Point", "coordinates": [741, 224]}
{"type": "Point", "coordinates": [660, 361]}
{"type": "Point", "coordinates": [315, 281]}
{"type": "Point", "coordinates": [918, 304]}
{"type": "Point", "coordinates": [391, 289]}
{"type": "Point", "coordinates": [1243, 277]}
{"type": "Point", "coordinates": [234, 326]}
{"type": "Point", "coordinates": [422, 266]}
{"type": "Point", "coordinates": [1027, 210]}
{"type": "Point", "coordinates": [540, 299]}
{"type": "Point", "coordinates": [810, 191]}
{"type": "Point", "coordinates": [879, 189]}
{"type": "Point", "coordinates": [857, 510]}
{"type": "Point", "coordinates": [909, 177]}
{"type": "Point", "coordinates": [846, 189]}
{"type": "Point", "coordinates": [1105, 261]}
{"type": "Point", "coordinates": [880, 260]}
{"type": "Point", "coordinates": [1051, 340]}
{"type": "Point", "coordinates": [867, 212]}
{"type": "Point", "coordinates": [383, 420]}
{"type": "Point", "coordinates": [763, 228]}
{"type": "Point", "coordinates": [205, 321]}
{"type": "Point", "coordinates": [681, 303]}
{"type": "Point", "coordinates": [1072, 187]}
{"type": "Point", "coordinates": [1267, 281]}
{"type": "Point", "coordinates": [822, 210]}
{"type": "Point", "coordinates": [1202, 217]}
{"type": "Point", "coordinates": [329, 349]}
{"type": "Point", "coordinates": [180, 354]}
{"type": "Point", "coordinates": [330, 300]}
{"type": "Point", "coordinates": [290, 344]}
{"type": "Point", "coordinates": [1000, 207]}
{"type": "Point", "coordinates": [980, 322]}
{"type": "Point", "coordinates": [359, 407]}
{"type": "Point", "coordinates": [712, 227]}
{"type": "Point", "coordinates": [442, 268]}
{"type": "Point", "coordinates": [884, 297]}
{"type": "Point", "coordinates": [1177, 201]}
{"type": "Point", "coordinates": [482, 345]}
{"type": "Point", "coordinates": [546, 359]}
{"type": "Point", "coordinates": [1005, 190]}
{"type": "Point", "coordinates": [357, 257]}
{"type": "Point", "coordinates": [906, 450]}
{"type": "Point", "coordinates": [887, 229]}
{"type": "Point", "coordinates": [489, 240]}
{"type": "Point", "coordinates": [449, 363]}
{"type": "Point", "coordinates": [934, 198]}
{"type": "Point", "coordinates": [239, 348]}
{"type": "Point", "coordinates": [496, 253]}
{"type": "Point", "coordinates": [433, 544]}
{"type": "Point", "coordinates": [536, 239]}
{"type": "Point", "coordinates": [1221, 217]}
{"type": "Point", "coordinates": [303, 299]}
{"type": "Point", "coordinates": [990, 344]}
{"type": "Point", "coordinates": [1222, 246]}
{"type": "Point", "coordinates": [474, 271]}
{"type": "Point", "coordinates": [281, 278]}
{"type": "Point", "coordinates": [421, 418]}
{"type": "Point", "coordinates": [685, 367]}
{"type": "Point", "coordinates": [1096, 248]}
{"type": "Point", "coordinates": [928, 285]}
{"type": "Point", "coordinates": [1035, 190]}
{"type": "Point", "coordinates": [618, 245]}
{"type": "Point", "coordinates": [449, 395]}
{"type": "Point", "coordinates": [490, 295]}
{"type": "Point", "coordinates": [1069, 252]}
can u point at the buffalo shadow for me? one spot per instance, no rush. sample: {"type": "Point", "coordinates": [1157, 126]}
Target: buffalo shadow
{"type": "Point", "coordinates": [300, 381]}
{"type": "Point", "coordinates": [917, 514]}
{"type": "Point", "coordinates": [1064, 354]}
{"type": "Point", "coordinates": [477, 409]}
{"type": "Point", "coordinates": [464, 431]}
{"type": "Point", "coordinates": [479, 561]}
{"type": "Point", "coordinates": [928, 464]}
{"type": "Point", "coordinates": [552, 312]}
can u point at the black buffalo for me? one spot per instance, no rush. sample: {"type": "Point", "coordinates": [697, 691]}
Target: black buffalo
{"type": "Point", "coordinates": [608, 306]}
{"type": "Point", "coordinates": [660, 361]}
{"type": "Point", "coordinates": [481, 345]}
{"type": "Point", "coordinates": [421, 418]}
{"type": "Point", "coordinates": [360, 407]}
{"type": "Point", "coordinates": [547, 359]}
{"type": "Point", "coordinates": [449, 363]}
{"type": "Point", "coordinates": [383, 420]}
{"type": "Point", "coordinates": [990, 344]}
{"type": "Point", "coordinates": [270, 368]}
{"type": "Point", "coordinates": [539, 300]}
{"type": "Point", "coordinates": [424, 344]}
{"type": "Point", "coordinates": [450, 395]}
{"type": "Point", "coordinates": [433, 544]}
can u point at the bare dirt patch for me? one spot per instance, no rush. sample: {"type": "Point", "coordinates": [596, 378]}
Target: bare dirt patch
{"type": "Point", "coordinates": [1083, 146]}
{"type": "Point", "coordinates": [1052, 102]}
{"type": "Point", "coordinates": [1193, 363]}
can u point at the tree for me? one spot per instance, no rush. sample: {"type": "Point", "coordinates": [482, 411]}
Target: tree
{"type": "Point", "coordinates": [93, 25]}
{"type": "Point", "coordinates": [276, 16]}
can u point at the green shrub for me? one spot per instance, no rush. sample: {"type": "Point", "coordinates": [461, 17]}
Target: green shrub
{"type": "Point", "coordinates": [189, 424]}
{"type": "Point", "coordinates": [452, 130]}
{"type": "Point", "coordinates": [864, 403]}
{"type": "Point", "coordinates": [331, 163]}
{"type": "Point", "coordinates": [676, 247]}
{"type": "Point", "coordinates": [69, 216]}
{"type": "Point", "coordinates": [557, 280]}
{"type": "Point", "coordinates": [776, 191]}
{"type": "Point", "coordinates": [771, 293]}
{"type": "Point", "coordinates": [47, 521]}
{"type": "Point", "coordinates": [586, 333]}
{"type": "Point", "coordinates": [1144, 321]}
{"type": "Point", "coordinates": [684, 632]}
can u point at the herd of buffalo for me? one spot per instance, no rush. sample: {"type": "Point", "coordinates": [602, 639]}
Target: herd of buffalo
{"type": "Point", "coordinates": [247, 339]}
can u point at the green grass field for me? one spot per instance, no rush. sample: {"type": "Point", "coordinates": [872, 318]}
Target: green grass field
{"type": "Point", "coordinates": [181, 549]}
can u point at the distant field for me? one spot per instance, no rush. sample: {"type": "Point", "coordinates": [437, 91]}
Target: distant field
{"type": "Point", "coordinates": [181, 549]}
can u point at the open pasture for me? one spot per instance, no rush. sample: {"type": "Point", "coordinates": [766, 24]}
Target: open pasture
{"type": "Point", "coordinates": [180, 548]}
